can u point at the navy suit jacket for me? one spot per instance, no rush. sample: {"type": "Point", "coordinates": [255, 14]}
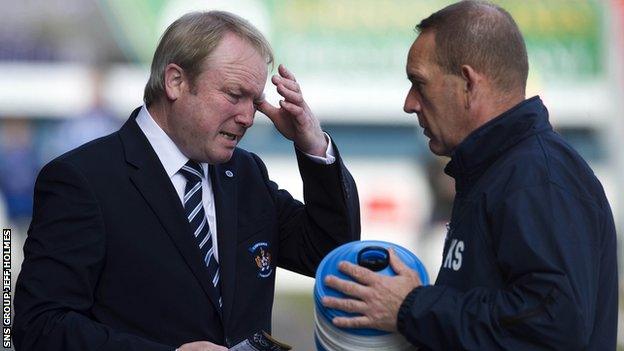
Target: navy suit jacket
{"type": "Point", "coordinates": [111, 263]}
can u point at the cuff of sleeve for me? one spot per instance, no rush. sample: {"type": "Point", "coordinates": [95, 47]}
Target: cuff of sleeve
{"type": "Point", "coordinates": [330, 156]}
{"type": "Point", "coordinates": [404, 310]}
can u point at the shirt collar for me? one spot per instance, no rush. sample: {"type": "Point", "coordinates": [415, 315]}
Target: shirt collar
{"type": "Point", "coordinates": [169, 154]}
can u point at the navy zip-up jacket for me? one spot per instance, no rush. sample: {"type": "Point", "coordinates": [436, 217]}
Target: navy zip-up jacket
{"type": "Point", "coordinates": [529, 261]}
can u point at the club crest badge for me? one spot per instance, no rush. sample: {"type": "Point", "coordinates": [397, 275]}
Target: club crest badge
{"type": "Point", "coordinates": [262, 258]}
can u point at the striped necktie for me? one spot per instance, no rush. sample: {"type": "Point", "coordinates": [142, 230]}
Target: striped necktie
{"type": "Point", "coordinates": [194, 210]}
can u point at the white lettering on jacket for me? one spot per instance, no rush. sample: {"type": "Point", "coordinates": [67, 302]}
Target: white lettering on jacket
{"type": "Point", "coordinates": [453, 259]}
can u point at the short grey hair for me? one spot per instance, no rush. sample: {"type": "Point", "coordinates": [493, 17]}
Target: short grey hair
{"type": "Point", "coordinates": [482, 35]}
{"type": "Point", "coordinates": [191, 39]}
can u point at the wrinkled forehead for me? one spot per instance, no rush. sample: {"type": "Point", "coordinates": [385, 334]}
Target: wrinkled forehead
{"type": "Point", "coordinates": [239, 61]}
{"type": "Point", "coordinates": [234, 49]}
{"type": "Point", "coordinates": [421, 55]}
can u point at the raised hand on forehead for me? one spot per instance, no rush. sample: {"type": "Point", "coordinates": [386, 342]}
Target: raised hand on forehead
{"type": "Point", "coordinates": [293, 118]}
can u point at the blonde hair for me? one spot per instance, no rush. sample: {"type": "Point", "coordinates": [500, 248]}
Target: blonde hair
{"type": "Point", "coordinates": [189, 40]}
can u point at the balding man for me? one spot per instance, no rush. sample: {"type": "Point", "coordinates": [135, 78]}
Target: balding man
{"type": "Point", "coordinates": [530, 255]}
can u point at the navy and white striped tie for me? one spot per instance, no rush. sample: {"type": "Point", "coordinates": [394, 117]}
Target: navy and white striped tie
{"type": "Point", "coordinates": [194, 209]}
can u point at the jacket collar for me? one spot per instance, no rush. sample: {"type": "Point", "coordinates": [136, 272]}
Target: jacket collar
{"type": "Point", "coordinates": [151, 180]}
{"type": "Point", "coordinates": [483, 146]}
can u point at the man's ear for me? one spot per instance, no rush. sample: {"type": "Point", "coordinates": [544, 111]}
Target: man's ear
{"type": "Point", "coordinates": [174, 81]}
{"type": "Point", "coordinates": [471, 81]}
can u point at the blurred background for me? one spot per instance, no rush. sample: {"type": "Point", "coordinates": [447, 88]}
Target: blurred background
{"type": "Point", "coordinates": [73, 70]}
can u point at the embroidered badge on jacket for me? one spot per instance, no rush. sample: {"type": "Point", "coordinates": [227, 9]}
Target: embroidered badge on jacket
{"type": "Point", "coordinates": [262, 257]}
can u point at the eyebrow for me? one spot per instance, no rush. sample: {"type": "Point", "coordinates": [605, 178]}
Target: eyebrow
{"type": "Point", "coordinates": [244, 91]}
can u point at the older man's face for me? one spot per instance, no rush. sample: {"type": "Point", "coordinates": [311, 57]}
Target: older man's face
{"type": "Point", "coordinates": [436, 97]}
{"type": "Point", "coordinates": [210, 117]}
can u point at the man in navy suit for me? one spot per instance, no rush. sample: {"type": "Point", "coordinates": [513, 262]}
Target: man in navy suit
{"type": "Point", "coordinates": [165, 235]}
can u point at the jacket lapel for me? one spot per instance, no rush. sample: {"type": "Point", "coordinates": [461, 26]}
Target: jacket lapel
{"type": "Point", "coordinates": [149, 176]}
{"type": "Point", "coordinates": [223, 178]}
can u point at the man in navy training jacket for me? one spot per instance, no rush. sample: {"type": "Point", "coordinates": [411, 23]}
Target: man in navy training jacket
{"type": "Point", "coordinates": [530, 255]}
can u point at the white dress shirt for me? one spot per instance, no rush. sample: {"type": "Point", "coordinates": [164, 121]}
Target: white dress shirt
{"type": "Point", "coordinates": [172, 160]}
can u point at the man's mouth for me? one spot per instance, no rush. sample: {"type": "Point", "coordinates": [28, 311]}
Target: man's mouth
{"type": "Point", "coordinates": [229, 136]}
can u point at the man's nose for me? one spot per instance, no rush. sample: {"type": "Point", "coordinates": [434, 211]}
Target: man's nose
{"type": "Point", "coordinates": [246, 116]}
{"type": "Point", "coordinates": [411, 105]}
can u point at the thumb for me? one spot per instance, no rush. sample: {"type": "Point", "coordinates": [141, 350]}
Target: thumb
{"type": "Point", "coordinates": [269, 110]}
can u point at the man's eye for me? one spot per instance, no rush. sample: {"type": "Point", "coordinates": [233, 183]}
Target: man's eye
{"type": "Point", "coordinates": [234, 97]}
{"type": "Point", "coordinates": [418, 86]}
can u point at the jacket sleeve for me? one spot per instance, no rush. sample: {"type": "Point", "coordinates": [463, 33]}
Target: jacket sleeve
{"type": "Point", "coordinates": [547, 247]}
{"type": "Point", "coordinates": [329, 218]}
{"type": "Point", "coordinates": [63, 257]}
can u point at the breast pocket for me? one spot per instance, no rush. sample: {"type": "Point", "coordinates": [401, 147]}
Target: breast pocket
{"type": "Point", "coordinates": [257, 252]}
